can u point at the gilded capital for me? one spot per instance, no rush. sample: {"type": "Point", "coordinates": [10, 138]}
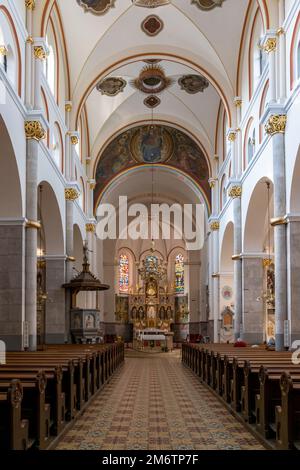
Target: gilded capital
{"type": "Point", "coordinates": [34, 130]}
{"type": "Point", "coordinates": [266, 262]}
{"type": "Point", "coordinates": [30, 4]}
{"type": "Point", "coordinates": [3, 50]}
{"type": "Point", "coordinates": [68, 107]}
{"type": "Point", "coordinates": [30, 40]}
{"type": "Point", "coordinates": [71, 194]}
{"type": "Point", "coordinates": [276, 124]}
{"type": "Point", "coordinates": [270, 45]}
{"type": "Point", "coordinates": [90, 228]}
{"type": "Point", "coordinates": [74, 140]}
{"type": "Point", "coordinates": [215, 226]}
{"type": "Point", "coordinates": [92, 186]}
{"type": "Point", "coordinates": [212, 182]}
{"type": "Point", "coordinates": [232, 136]}
{"type": "Point", "coordinates": [238, 102]}
{"type": "Point", "coordinates": [235, 192]}
{"type": "Point", "coordinates": [39, 52]}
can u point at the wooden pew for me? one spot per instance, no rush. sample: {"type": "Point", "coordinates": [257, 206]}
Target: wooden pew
{"type": "Point", "coordinates": [13, 429]}
{"type": "Point", "coordinates": [34, 406]}
{"type": "Point", "coordinates": [288, 413]}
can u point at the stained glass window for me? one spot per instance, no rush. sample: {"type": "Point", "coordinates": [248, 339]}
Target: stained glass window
{"type": "Point", "coordinates": [179, 274]}
{"type": "Point", "coordinates": [124, 274]}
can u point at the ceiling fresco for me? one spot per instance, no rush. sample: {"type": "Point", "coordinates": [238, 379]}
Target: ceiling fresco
{"type": "Point", "coordinates": [152, 144]}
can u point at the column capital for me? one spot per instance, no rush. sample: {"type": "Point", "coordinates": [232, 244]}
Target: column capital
{"type": "Point", "coordinates": [212, 182]}
{"type": "Point", "coordinates": [276, 124]}
{"type": "Point", "coordinates": [269, 42]}
{"type": "Point", "coordinates": [90, 227]}
{"type": "Point", "coordinates": [34, 130]}
{"type": "Point", "coordinates": [30, 4]}
{"type": "Point", "coordinates": [235, 191]}
{"type": "Point", "coordinates": [74, 137]}
{"type": "Point", "coordinates": [40, 49]}
{"type": "Point", "coordinates": [3, 50]}
{"type": "Point", "coordinates": [215, 226]}
{"type": "Point", "coordinates": [68, 106]}
{"type": "Point", "coordinates": [92, 184]}
{"type": "Point", "coordinates": [238, 101]}
{"type": "Point", "coordinates": [231, 135]}
{"type": "Point", "coordinates": [71, 194]}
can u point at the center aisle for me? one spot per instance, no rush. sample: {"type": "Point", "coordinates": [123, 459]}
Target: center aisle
{"type": "Point", "coordinates": [154, 403]}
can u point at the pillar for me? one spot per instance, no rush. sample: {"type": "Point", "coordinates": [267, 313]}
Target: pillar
{"type": "Point", "coordinates": [253, 309]}
{"type": "Point", "coordinates": [282, 68]}
{"type": "Point", "coordinates": [29, 4]}
{"type": "Point", "coordinates": [12, 283]}
{"type": "Point", "coordinates": [235, 193]}
{"type": "Point", "coordinates": [55, 304]}
{"type": "Point", "coordinates": [34, 134]}
{"type": "Point", "coordinates": [269, 46]}
{"type": "Point", "coordinates": [68, 109]}
{"type": "Point", "coordinates": [275, 127]}
{"type": "Point", "coordinates": [70, 195]}
{"type": "Point", "coordinates": [74, 140]}
{"type": "Point", "coordinates": [40, 54]}
{"type": "Point", "coordinates": [293, 263]}
{"type": "Point", "coordinates": [239, 143]}
{"type": "Point", "coordinates": [214, 227]}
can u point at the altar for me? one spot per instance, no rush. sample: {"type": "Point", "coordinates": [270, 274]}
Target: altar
{"type": "Point", "coordinates": [153, 340]}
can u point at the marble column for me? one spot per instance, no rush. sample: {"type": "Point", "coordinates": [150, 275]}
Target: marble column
{"type": "Point", "coordinates": [293, 281]}
{"type": "Point", "coordinates": [55, 304]}
{"type": "Point", "coordinates": [12, 283]}
{"type": "Point", "coordinates": [253, 309]}
{"type": "Point", "coordinates": [276, 128]}
{"type": "Point", "coordinates": [34, 133]}
{"type": "Point", "coordinates": [235, 193]}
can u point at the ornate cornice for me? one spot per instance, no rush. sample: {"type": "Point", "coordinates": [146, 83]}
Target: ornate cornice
{"type": "Point", "coordinates": [34, 130]}
{"type": "Point", "coordinates": [235, 192]}
{"type": "Point", "coordinates": [71, 194]}
{"type": "Point", "coordinates": [39, 52]}
{"type": "Point", "coordinates": [30, 4]}
{"type": "Point", "coordinates": [276, 124]}
{"type": "Point", "coordinates": [270, 45]}
{"type": "Point", "coordinates": [215, 226]}
{"type": "Point", "coordinates": [90, 228]}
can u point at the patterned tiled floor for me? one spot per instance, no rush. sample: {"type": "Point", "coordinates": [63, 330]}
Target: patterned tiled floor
{"type": "Point", "coordinates": [155, 403]}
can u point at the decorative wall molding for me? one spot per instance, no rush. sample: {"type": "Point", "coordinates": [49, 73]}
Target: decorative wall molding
{"type": "Point", "coordinates": [152, 25]}
{"type": "Point", "coordinates": [193, 84]}
{"type": "Point", "coordinates": [207, 4]}
{"type": "Point", "coordinates": [111, 86]}
{"type": "Point", "coordinates": [97, 7]}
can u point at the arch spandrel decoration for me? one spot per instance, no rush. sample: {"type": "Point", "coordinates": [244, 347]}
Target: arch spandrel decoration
{"type": "Point", "coordinates": [152, 144]}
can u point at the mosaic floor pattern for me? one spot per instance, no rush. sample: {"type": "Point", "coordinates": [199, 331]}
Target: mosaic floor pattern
{"type": "Point", "coordinates": [153, 402]}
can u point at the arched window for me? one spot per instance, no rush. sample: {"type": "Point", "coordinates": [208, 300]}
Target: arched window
{"type": "Point", "coordinates": [57, 147]}
{"type": "Point", "coordinates": [298, 61]}
{"type": "Point", "coordinates": [179, 274]}
{"type": "Point", "coordinates": [123, 274]}
{"type": "Point", "coordinates": [50, 65]}
{"type": "Point", "coordinates": [81, 199]}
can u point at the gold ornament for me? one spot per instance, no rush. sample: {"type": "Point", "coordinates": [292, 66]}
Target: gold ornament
{"type": "Point", "coordinates": [34, 130]}
{"type": "Point", "coordinates": [90, 228]}
{"type": "Point", "coordinates": [68, 107]}
{"type": "Point", "coordinates": [30, 4]}
{"type": "Point", "coordinates": [215, 226]}
{"type": "Point", "coordinates": [238, 102]}
{"type": "Point", "coordinates": [92, 186]}
{"type": "Point", "coordinates": [71, 194]}
{"type": "Point", "coordinates": [235, 192]}
{"type": "Point", "coordinates": [3, 50]}
{"type": "Point", "coordinates": [33, 224]}
{"type": "Point", "coordinates": [30, 40]}
{"type": "Point", "coordinates": [276, 124]}
{"type": "Point", "coordinates": [232, 136]}
{"type": "Point", "coordinates": [39, 53]}
{"type": "Point", "coordinates": [270, 45]}
{"type": "Point", "coordinates": [266, 262]}
{"type": "Point", "coordinates": [74, 140]}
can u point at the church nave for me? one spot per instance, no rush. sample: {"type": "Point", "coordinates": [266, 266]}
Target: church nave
{"type": "Point", "coordinates": [153, 402]}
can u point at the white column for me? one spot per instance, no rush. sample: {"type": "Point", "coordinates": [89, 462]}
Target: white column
{"type": "Point", "coordinates": [232, 133]}
{"type": "Point", "coordinates": [74, 140]}
{"type": "Point", "coordinates": [40, 54]}
{"type": "Point", "coordinates": [238, 105]}
{"type": "Point", "coordinates": [282, 53]}
{"type": "Point", "coordinates": [269, 46]}
{"type": "Point", "coordinates": [214, 227]}
{"type": "Point", "coordinates": [68, 109]}
{"type": "Point", "coordinates": [28, 56]}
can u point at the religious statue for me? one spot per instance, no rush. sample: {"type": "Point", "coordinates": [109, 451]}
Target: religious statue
{"type": "Point", "coordinates": [89, 322]}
